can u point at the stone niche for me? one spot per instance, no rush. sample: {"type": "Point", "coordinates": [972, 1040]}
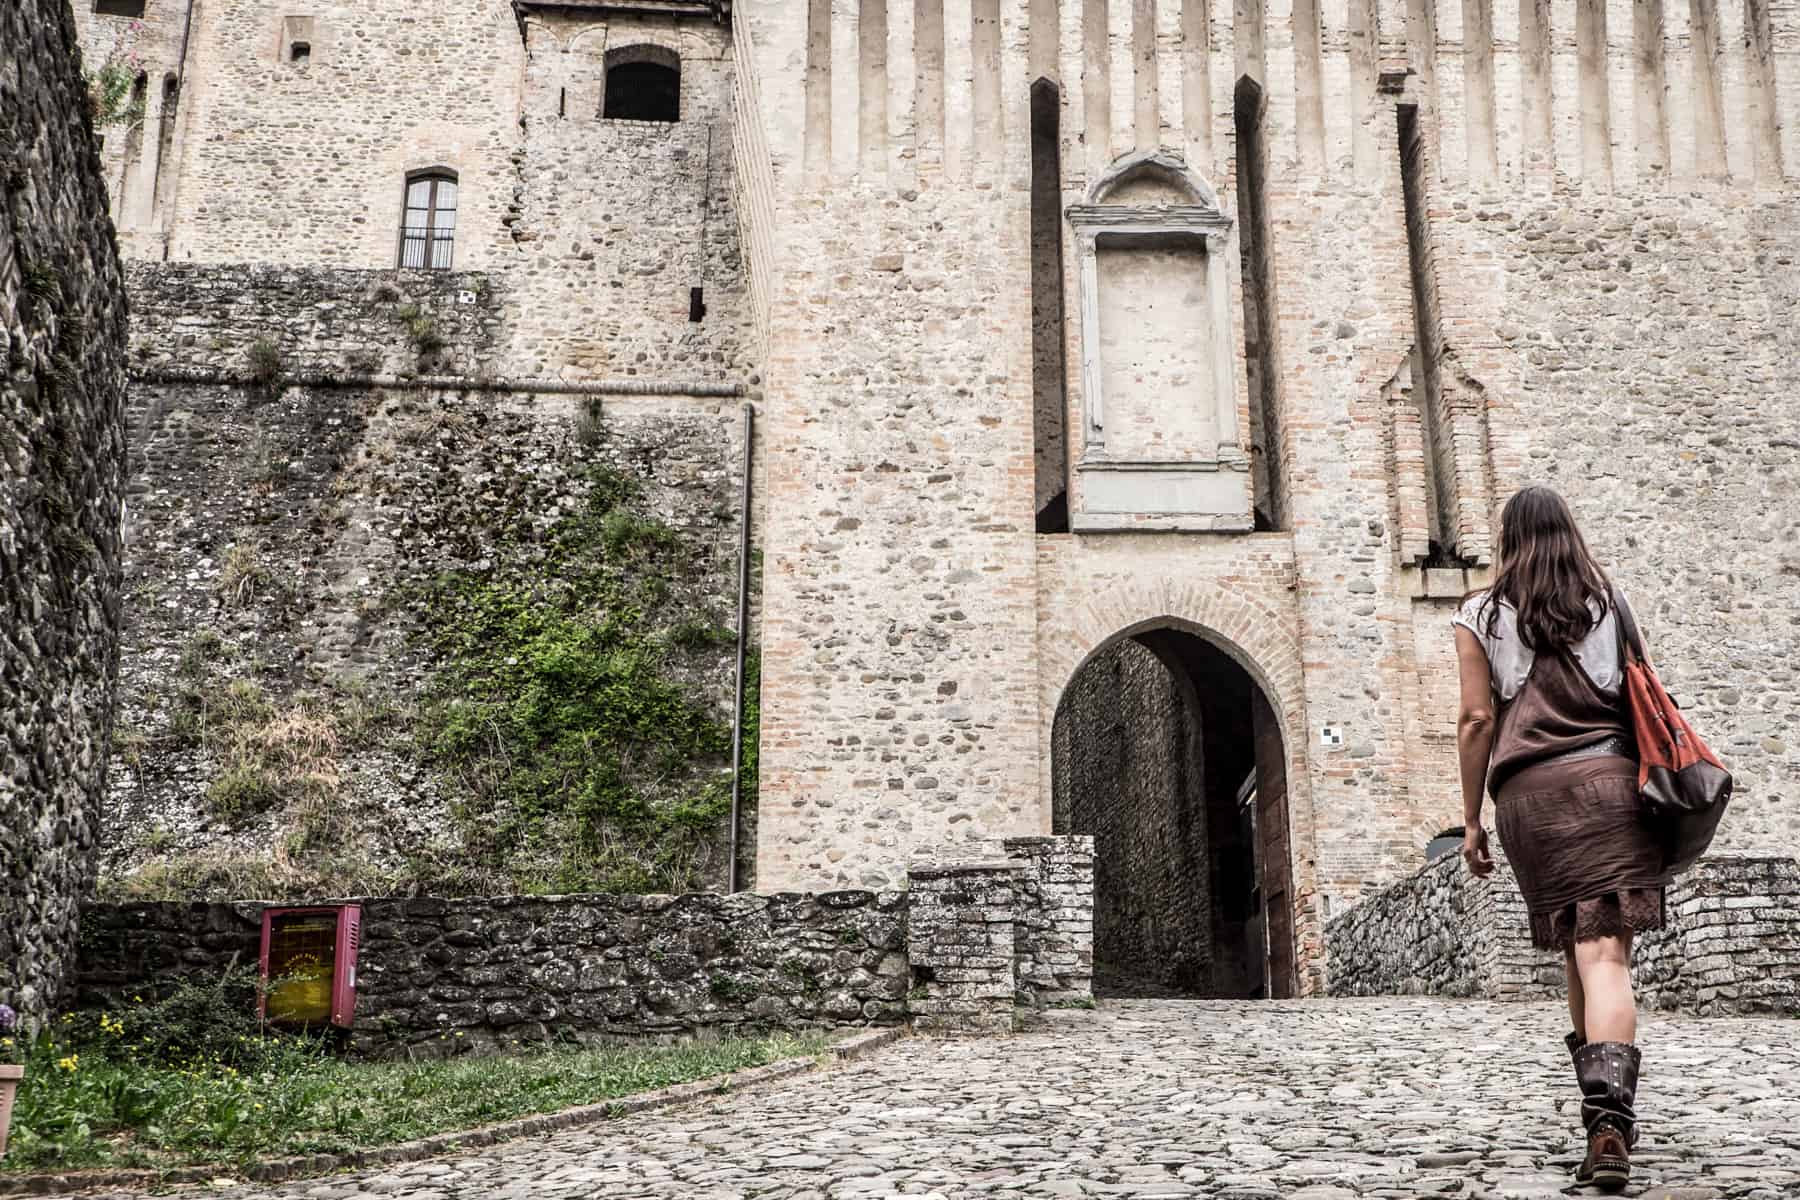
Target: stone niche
{"type": "Point", "coordinates": [1160, 443]}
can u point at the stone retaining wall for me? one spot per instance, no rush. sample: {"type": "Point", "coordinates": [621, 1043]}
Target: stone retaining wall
{"type": "Point", "coordinates": [956, 951]}
{"type": "Point", "coordinates": [486, 972]}
{"type": "Point", "coordinates": [201, 320]}
{"type": "Point", "coordinates": [1732, 944]}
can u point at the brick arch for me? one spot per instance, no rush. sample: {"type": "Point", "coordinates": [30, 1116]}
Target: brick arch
{"type": "Point", "coordinates": [1258, 635]}
{"type": "Point", "coordinates": [538, 27]}
{"type": "Point", "coordinates": [609, 39]}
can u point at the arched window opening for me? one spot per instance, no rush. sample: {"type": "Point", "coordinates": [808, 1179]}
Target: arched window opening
{"type": "Point", "coordinates": [643, 83]}
{"type": "Point", "coordinates": [1447, 842]}
{"type": "Point", "coordinates": [428, 227]}
{"type": "Point", "coordinates": [1262, 349]}
{"type": "Point", "coordinates": [1050, 400]}
{"type": "Point", "coordinates": [165, 140]}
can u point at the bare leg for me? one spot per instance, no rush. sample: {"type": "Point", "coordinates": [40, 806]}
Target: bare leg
{"type": "Point", "coordinates": [1603, 966]}
{"type": "Point", "coordinates": [1577, 997]}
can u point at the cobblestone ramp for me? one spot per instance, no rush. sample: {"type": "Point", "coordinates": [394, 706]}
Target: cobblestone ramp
{"type": "Point", "coordinates": [1248, 1101]}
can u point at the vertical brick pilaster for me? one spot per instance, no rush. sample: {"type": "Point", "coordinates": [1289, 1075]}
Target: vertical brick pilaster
{"type": "Point", "coordinates": [1053, 948]}
{"type": "Point", "coordinates": [960, 945]}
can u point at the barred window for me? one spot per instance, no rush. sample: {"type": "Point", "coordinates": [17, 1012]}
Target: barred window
{"type": "Point", "coordinates": [428, 227]}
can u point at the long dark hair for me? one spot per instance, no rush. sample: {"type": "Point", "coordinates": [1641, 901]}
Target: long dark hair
{"type": "Point", "coordinates": [1546, 572]}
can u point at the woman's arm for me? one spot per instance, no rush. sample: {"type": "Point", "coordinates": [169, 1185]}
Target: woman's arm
{"type": "Point", "coordinates": [1474, 742]}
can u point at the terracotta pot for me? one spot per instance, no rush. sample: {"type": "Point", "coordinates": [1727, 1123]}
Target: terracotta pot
{"type": "Point", "coordinates": [9, 1083]}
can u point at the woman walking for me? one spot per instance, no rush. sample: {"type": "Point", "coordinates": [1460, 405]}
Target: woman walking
{"type": "Point", "coordinates": [1544, 730]}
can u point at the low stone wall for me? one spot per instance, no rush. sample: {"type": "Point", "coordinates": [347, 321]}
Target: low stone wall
{"type": "Point", "coordinates": [487, 972]}
{"type": "Point", "coordinates": [960, 939]}
{"type": "Point", "coordinates": [1732, 944]}
{"type": "Point", "coordinates": [1733, 941]}
{"type": "Point", "coordinates": [956, 951]}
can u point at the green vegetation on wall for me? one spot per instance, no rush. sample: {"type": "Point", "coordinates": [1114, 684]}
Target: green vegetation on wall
{"type": "Point", "coordinates": [575, 759]}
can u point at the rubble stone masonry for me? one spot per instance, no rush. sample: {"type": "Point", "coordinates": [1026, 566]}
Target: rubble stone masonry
{"type": "Point", "coordinates": [62, 482]}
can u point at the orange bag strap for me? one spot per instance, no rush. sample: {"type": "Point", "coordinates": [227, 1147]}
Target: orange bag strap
{"type": "Point", "coordinates": [1631, 639]}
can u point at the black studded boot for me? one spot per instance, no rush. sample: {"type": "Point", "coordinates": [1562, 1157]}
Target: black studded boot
{"type": "Point", "coordinates": [1608, 1074]}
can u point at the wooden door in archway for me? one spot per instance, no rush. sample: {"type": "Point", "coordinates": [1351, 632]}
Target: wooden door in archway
{"type": "Point", "coordinates": [1275, 879]}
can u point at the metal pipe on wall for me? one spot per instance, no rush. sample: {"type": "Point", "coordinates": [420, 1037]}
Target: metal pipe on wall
{"type": "Point", "coordinates": [743, 638]}
{"type": "Point", "coordinates": [451, 383]}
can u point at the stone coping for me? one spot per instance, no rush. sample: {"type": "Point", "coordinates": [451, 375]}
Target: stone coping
{"type": "Point", "coordinates": [273, 1170]}
{"type": "Point", "coordinates": [951, 870]}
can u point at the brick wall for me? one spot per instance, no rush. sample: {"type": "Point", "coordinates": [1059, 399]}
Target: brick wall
{"type": "Point", "coordinates": [1131, 773]}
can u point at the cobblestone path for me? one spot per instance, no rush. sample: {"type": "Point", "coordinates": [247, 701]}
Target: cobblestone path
{"type": "Point", "coordinates": [1251, 1101]}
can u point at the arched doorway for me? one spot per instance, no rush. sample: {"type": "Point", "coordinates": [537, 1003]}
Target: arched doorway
{"type": "Point", "coordinates": [1169, 754]}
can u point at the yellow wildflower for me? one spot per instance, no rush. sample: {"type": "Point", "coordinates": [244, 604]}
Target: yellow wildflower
{"type": "Point", "coordinates": [69, 1063]}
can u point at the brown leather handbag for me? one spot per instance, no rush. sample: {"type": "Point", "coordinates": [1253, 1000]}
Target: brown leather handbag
{"type": "Point", "coordinates": [1682, 785]}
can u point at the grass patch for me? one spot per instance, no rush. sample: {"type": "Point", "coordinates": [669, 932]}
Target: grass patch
{"type": "Point", "coordinates": [109, 1105]}
{"type": "Point", "coordinates": [276, 761]}
{"type": "Point", "coordinates": [262, 364]}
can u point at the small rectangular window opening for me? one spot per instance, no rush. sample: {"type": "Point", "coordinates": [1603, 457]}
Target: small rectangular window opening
{"type": "Point", "coordinates": [119, 8]}
{"type": "Point", "coordinates": [696, 304]}
{"type": "Point", "coordinates": [298, 34]}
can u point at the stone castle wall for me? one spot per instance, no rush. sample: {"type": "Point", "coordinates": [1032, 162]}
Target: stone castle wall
{"type": "Point", "coordinates": [1461, 247]}
{"type": "Point", "coordinates": [141, 146]}
{"type": "Point", "coordinates": [201, 324]}
{"type": "Point", "coordinates": [1397, 417]}
{"type": "Point", "coordinates": [1646, 386]}
{"type": "Point", "coordinates": [620, 221]}
{"type": "Point", "coordinates": [384, 90]}
{"type": "Point", "coordinates": [62, 468]}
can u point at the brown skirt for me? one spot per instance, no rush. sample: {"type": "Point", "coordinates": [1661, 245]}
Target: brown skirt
{"type": "Point", "coordinates": [1586, 863]}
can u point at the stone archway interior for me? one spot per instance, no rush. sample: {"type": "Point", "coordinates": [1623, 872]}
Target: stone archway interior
{"type": "Point", "coordinates": [1168, 753]}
